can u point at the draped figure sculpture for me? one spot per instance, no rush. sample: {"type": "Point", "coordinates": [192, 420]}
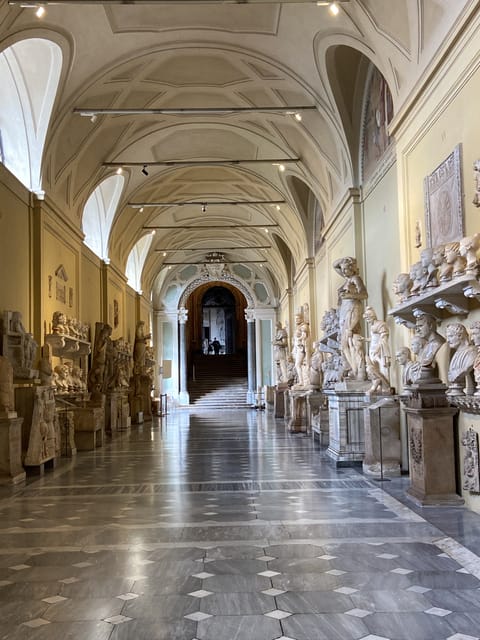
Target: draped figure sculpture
{"type": "Point", "coordinates": [140, 348]}
{"type": "Point", "coordinates": [301, 349]}
{"type": "Point", "coordinates": [350, 307]}
{"type": "Point", "coordinates": [379, 356]}
{"type": "Point", "coordinates": [280, 346]}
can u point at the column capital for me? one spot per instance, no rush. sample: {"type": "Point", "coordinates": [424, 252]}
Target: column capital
{"type": "Point", "coordinates": [182, 315]}
{"type": "Point", "coordinates": [250, 315]}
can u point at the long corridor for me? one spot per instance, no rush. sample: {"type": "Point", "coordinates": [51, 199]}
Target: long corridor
{"type": "Point", "coordinates": [224, 526]}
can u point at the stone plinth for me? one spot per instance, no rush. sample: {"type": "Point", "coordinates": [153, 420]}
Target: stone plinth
{"type": "Point", "coordinates": [382, 438]}
{"type": "Point", "coordinates": [123, 422]}
{"type": "Point", "coordinates": [40, 430]}
{"type": "Point", "coordinates": [66, 420]}
{"type": "Point", "coordinates": [346, 427]}
{"type": "Point", "coordinates": [140, 397]}
{"type": "Point", "coordinates": [297, 422]}
{"type": "Point", "coordinates": [269, 396]}
{"type": "Point", "coordinates": [11, 470]}
{"type": "Point", "coordinates": [89, 427]}
{"type": "Point", "coordinates": [279, 401]}
{"type": "Point", "coordinates": [112, 403]}
{"type": "Point", "coordinates": [317, 416]}
{"type": "Point", "coordinates": [431, 447]}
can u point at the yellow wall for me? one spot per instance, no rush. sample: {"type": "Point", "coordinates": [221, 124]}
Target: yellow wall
{"type": "Point", "coordinates": [444, 116]}
{"type": "Point", "coordinates": [15, 242]}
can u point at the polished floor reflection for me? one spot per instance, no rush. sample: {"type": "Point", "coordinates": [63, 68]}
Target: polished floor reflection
{"type": "Point", "coordinates": [223, 526]}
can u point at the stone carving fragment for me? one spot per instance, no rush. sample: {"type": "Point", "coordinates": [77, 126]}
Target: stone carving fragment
{"type": "Point", "coordinates": [471, 470]}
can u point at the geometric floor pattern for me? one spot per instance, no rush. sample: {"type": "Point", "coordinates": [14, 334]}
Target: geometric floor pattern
{"type": "Point", "coordinates": [222, 526]}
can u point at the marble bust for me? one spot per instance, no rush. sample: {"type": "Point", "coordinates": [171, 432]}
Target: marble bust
{"type": "Point", "coordinates": [463, 359]}
{"type": "Point", "coordinates": [426, 328]}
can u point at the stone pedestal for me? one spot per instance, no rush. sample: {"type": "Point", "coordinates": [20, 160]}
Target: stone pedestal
{"type": "Point", "coordinates": [317, 416]}
{"type": "Point", "coordinates": [66, 420]}
{"type": "Point", "coordinates": [279, 402]}
{"type": "Point", "coordinates": [269, 396]}
{"type": "Point", "coordinates": [123, 421]}
{"type": "Point", "coordinates": [89, 427]}
{"type": "Point", "coordinates": [11, 470]}
{"type": "Point", "coordinates": [346, 425]}
{"type": "Point", "coordinates": [140, 397]}
{"type": "Point", "coordinates": [297, 422]}
{"type": "Point", "coordinates": [382, 437]}
{"type": "Point", "coordinates": [112, 402]}
{"type": "Point", "coordinates": [431, 447]}
{"type": "Point", "coordinates": [40, 430]}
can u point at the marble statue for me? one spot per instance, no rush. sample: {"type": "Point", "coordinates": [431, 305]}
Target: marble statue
{"type": "Point", "coordinates": [430, 263]}
{"type": "Point", "coordinates": [426, 328]}
{"type": "Point", "coordinates": [7, 400]}
{"type": "Point", "coordinates": [475, 337]}
{"type": "Point", "coordinates": [417, 276]}
{"type": "Point", "coordinates": [404, 358]}
{"type": "Point", "coordinates": [476, 174]}
{"type": "Point", "coordinates": [402, 286]}
{"type": "Point", "coordinates": [379, 349]}
{"type": "Point", "coordinates": [462, 361]}
{"type": "Point", "coordinates": [351, 295]}
{"type": "Point", "coordinates": [280, 347]}
{"type": "Point", "coordinates": [453, 264]}
{"type": "Point", "coordinates": [139, 347]}
{"type": "Point", "coordinates": [59, 323]}
{"type": "Point", "coordinates": [469, 247]}
{"type": "Point", "coordinates": [96, 375]}
{"type": "Point", "coordinates": [301, 348]}
{"type": "Point", "coordinates": [316, 362]}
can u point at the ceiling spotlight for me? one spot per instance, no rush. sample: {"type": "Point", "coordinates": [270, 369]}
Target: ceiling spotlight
{"type": "Point", "coordinates": [334, 9]}
{"type": "Point", "coordinates": [94, 118]}
{"type": "Point", "coordinates": [164, 254]}
{"type": "Point", "coordinates": [281, 167]}
{"type": "Point", "coordinates": [277, 207]}
{"type": "Point", "coordinates": [140, 210]}
{"type": "Point", "coordinates": [144, 170]}
{"type": "Point", "coordinates": [266, 230]}
{"type": "Point", "coordinates": [40, 12]}
{"type": "Point", "coordinates": [153, 232]}
{"type": "Point", "coordinates": [298, 117]}
{"type": "Point", "coordinates": [119, 171]}
{"type": "Point", "coordinates": [204, 208]}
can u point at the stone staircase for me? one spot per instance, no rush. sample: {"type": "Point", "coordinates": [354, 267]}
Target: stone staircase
{"type": "Point", "coordinates": [220, 382]}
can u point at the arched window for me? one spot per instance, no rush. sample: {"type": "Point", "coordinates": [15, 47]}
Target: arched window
{"type": "Point", "coordinates": [98, 215]}
{"type": "Point", "coordinates": [136, 262]}
{"type": "Point", "coordinates": [29, 75]}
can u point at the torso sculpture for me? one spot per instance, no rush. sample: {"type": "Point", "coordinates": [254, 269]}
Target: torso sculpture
{"type": "Point", "coordinates": [300, 350]}
{"type": "Point", "coordinates": [350, 305]}
{"type": "Point", "coordinates": [280, 346]}
{"type": "Point", "coordinates": [379, 356]}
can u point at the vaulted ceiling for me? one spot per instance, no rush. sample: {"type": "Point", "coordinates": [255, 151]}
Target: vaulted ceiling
{"type": "Point", "coordinates": [160, 55]}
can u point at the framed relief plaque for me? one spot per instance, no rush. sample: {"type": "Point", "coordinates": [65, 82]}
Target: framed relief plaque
{"type": "Point", "coordinates": [443, 201]}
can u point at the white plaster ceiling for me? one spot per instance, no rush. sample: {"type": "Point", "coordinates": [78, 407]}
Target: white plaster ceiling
{"type": "Point", "coordinates": [204, 55]}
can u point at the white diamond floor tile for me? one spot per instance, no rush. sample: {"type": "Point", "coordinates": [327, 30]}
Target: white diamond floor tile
{"type": "Point", "coordinates": [203, 575]}
{"type": "Point", "coordinates": [347, 591]}
{"type": "Point", "coordinates": [265, 558]}
{"type": "Point", "coordinates": [358, 613]}
{"type": "Point", "coordinates": [387, 556]}
{"type": "Point", "coordinates": [69, 580]}
{"type": "Point", "coordinates": [128, 596]}
{"type": "Point", "coordinates": [437, 611]}
{"type": "Point", "coordinates": [278, 614]}
{"type": "Point", "coordinates": [198, 616]}
{"type": "Point", "coordinates": [418, 589]}
{"type": "Point", "coordinates": [117, 619]}
{"type": "Point", "coordinates": [37, 622]}
{"type": "Point", "coordinates": [20, 567]}
{"type": "Point", "coordinates": [269, 574]}
{"type": "Point", "coordinates": [54, 599]}
{"type": "Point", "coordinates": [201, 593]}
{"type": "Point", "coordinates": [462, 636]}
{"type": "Point", "coordinates": [401, 571]}
{"type": "Point", "coordinates": [273, 592]}
{"type": "Point", "coordinates": [335, 572]}
{"type": "Point", "coordinates": [326, 557]}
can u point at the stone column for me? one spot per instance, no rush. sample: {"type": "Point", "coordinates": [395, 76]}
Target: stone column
{"type": "Point", "coordinates": [182, 321]}
{"type": "Point", "coordinates": [250, 318]}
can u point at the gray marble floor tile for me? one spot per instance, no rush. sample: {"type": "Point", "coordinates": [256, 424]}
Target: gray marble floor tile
{"type": "Point", "coordinates": [236, 583]}
{"type": "Point", "coordinates": [161, 607]}
{"type": "Point", "coordinates": [236, 604]}
{"type": "Point", "coordinates": [306, 582]}
{"type": "Point", "coordinates": [239, 627]}
{"type": "Point", "coordinates": [390, 601]}
{"type": "Point", "coordinates": [405, 626]}
{"type": "Point", "coordinates": [61, 631]}
{"type": "Point", "coordinates": [324, 627]}
{"type": "Point", "coordinates": [314, 602]}
{"type": "Point", "coordinates": [458, 600]}
{"type": "Point", "coordinates": [75, 610]}
{"type": "Point", "coordinates": [147, 630]}
{"type": "Point", "coordinates": [467, 622]}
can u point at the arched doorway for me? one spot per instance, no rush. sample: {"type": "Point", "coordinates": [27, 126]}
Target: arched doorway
{"type": "Point", "coordinates": [218, 320]}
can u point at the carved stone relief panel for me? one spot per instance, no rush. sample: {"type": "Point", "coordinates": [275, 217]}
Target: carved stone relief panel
{"type": "Point", "coordinates": [471, 470]}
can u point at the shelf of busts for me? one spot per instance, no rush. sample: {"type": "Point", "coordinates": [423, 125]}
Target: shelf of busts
{"type": "Point", "coordinates": [66, 346]}
{"type": "Point", "coordinates": [467, 404]}
{"type": "Point", "coordinates": [457, 297]}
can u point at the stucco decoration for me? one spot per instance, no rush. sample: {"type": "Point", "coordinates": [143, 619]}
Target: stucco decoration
{"type": "Point", "coordinates": [225, 277]}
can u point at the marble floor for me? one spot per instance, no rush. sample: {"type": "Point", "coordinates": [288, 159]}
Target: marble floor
{"type": "Point", "coordinates": [224, 526]}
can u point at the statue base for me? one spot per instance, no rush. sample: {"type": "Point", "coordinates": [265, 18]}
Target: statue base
{"type": "Point", "coordinates": [11, 470]}
{"type": "Point", "coordinates": [298, 410]}
{"type": "Point", "coordinates": [317, 417]}
{"type": "Point", "coordinates": [431, 447]}
{"type": "Point", "coordinates": [346, 426]}
{"type": "Point", "coordinates": [382, 438]}
{"type": "Point", "coordinates": [279, 401]}
{"type": "Point", "coordinates": [89, 427]}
